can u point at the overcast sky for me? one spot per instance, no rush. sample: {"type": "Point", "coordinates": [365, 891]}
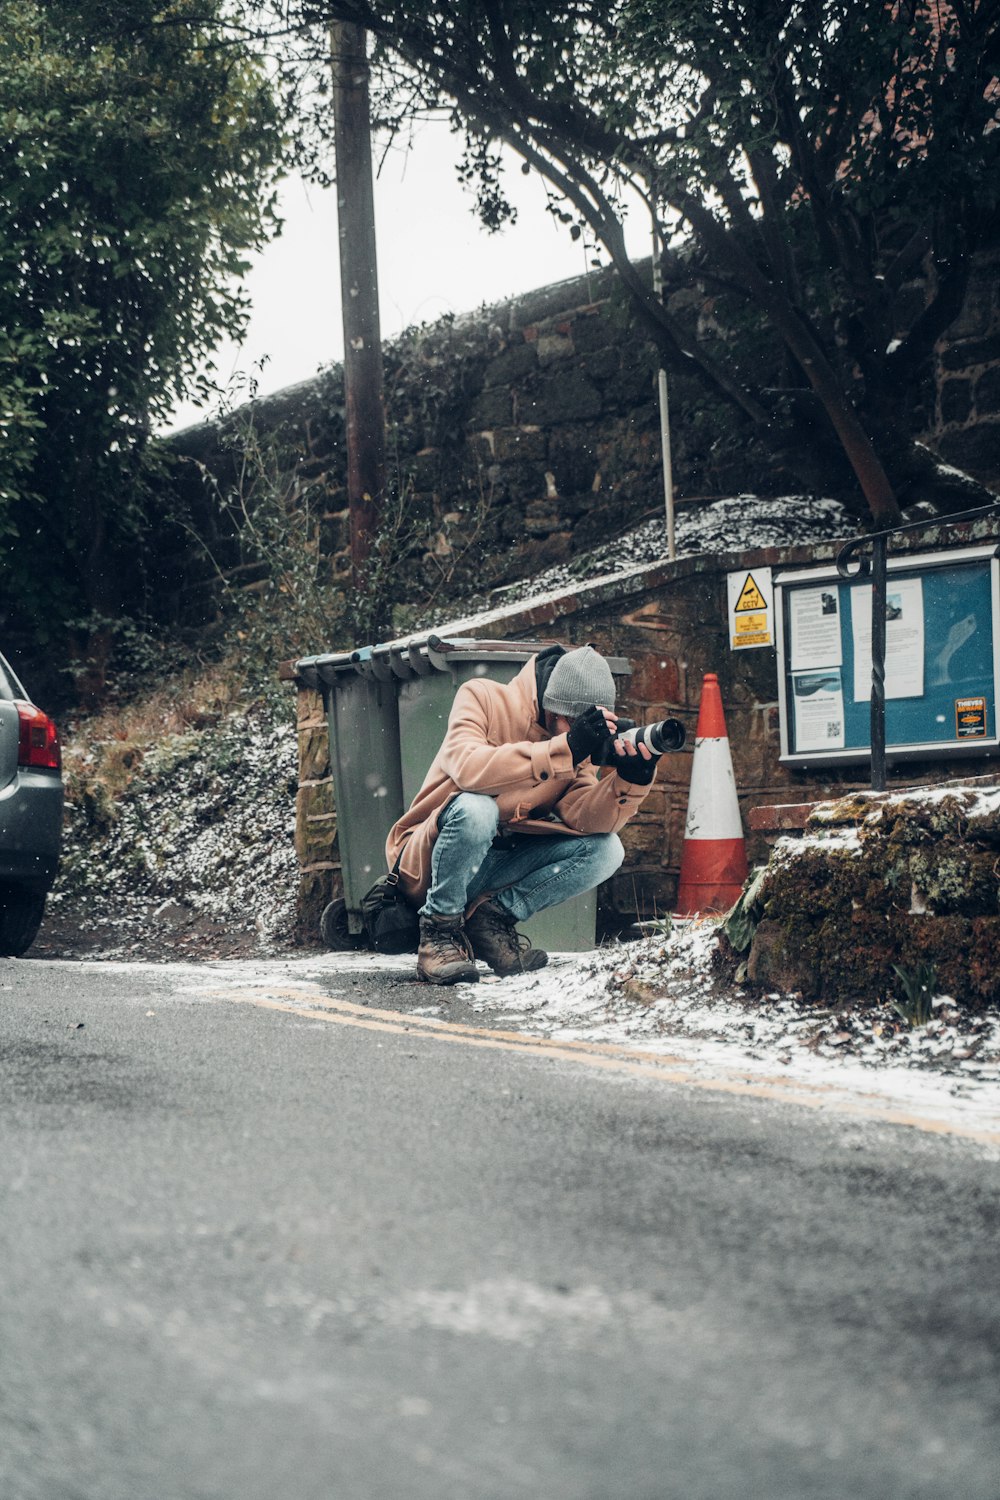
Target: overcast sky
{"type": "Point", "coordinates": [433, 256]}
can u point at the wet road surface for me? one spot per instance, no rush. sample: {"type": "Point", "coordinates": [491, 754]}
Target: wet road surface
{"type": "Point", "coordinates": [249, 1253]}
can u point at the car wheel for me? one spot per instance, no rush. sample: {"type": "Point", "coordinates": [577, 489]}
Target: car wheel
{"type": "Point", "coordinates": [21, 915]}
{"type": "Point", "coordinates": [334, 931]}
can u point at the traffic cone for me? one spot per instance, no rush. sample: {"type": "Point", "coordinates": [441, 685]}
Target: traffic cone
{"type": "Point", "coordinates": [714, 857]}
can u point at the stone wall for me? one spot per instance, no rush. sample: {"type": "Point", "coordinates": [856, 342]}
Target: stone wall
{"type": "Point", "coordinates": [967, 426]}
{"type": "Point", "coordinates": [671, 621]}
{"type": "Point", "coordinates": [520, 436]}
{"type": "Point", "coordinates": [524, 434]}
{"type": "Point", "coordinates": [315, 813]}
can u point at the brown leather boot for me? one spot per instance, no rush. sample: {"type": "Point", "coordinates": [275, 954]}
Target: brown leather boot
{"type": "Point", "coordinates": [496, 940]}
{"type": "Point", "coordinates": [445, 954]}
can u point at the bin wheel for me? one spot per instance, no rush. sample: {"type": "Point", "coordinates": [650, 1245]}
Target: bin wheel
{"type": "Point", "coordinates": [334, 931]}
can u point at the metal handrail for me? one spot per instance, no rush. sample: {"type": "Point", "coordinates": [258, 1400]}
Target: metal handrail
{"type": "Point", "coordinates": [877, 568]}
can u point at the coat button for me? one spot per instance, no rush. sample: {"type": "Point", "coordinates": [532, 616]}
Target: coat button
{"type": "Point", "coordinates": [545, 776]}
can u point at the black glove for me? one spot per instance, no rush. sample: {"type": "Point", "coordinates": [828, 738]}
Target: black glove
{"type": "Point", "coordinates": [589, 736]}
{"type": "Point", "coordinates": [635, 768]}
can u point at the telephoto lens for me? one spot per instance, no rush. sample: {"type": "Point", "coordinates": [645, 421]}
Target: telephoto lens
{"type": "Point", "coordinates": [667, 734]}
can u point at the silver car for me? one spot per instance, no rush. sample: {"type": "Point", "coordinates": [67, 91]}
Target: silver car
{"type": "Point", "coordinates": [31, 806]}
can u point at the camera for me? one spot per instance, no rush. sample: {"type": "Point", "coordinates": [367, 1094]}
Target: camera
{"type": "Point", "coordinates": [667, 734]}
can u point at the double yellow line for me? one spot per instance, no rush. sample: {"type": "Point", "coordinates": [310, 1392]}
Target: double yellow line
{"type": "Point", "coordinates": [334, 1011]}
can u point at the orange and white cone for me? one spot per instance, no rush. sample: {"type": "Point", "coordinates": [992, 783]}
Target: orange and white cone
{"type": "Point", "coordinates": [714, 857]}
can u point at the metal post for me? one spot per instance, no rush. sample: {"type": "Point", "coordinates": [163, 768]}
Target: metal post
{"type": "Point", "coordinates": [878, 662]}
{"type": "Point", "coordinates": [365, 415]}
{"type": "Point", "coordinates": [661, 389]}
{"type": "Point", "coordinates": [668, 475]}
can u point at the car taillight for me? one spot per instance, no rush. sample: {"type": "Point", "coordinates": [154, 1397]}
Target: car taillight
{"type": "Point", "coordinates": [38, 739]}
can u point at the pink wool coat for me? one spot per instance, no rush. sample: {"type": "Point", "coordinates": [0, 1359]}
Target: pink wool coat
{"type": "Point", "coordinates": [494, 744]}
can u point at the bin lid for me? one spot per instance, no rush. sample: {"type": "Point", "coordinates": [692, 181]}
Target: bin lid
{"type": "Point", "coordinates": [420, 656]}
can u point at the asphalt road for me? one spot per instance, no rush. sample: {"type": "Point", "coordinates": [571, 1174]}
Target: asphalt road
{"type": "Point", "coordinates": [252, 1252]}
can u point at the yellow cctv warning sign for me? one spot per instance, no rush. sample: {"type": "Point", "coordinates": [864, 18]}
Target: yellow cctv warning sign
{"type": "Point", "coordinates": [750, 609]}
{"type": "Point", "coordinates": [750, 598]}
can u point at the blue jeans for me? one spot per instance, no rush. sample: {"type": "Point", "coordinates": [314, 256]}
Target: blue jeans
{"type": "Point", "coordinates": [526, 873]}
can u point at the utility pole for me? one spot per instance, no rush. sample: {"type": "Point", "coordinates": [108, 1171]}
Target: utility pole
{"type": "Point", "coordinates": [365, 413]}
{"type": "Point", "coordinates": [664, 405]}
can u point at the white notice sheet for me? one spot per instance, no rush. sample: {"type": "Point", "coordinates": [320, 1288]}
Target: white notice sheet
{"type": "Point", "coordinates": [819, 710]}
{"type": "Point", "coordinates": [904, 639]}
{"type": "Point", "coordinates": [815, 628]}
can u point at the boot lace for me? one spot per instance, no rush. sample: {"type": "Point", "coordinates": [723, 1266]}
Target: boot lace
{"type": "Point", "coordinates": [446, 939]}
{"type": "Point", "coordinates": [493, 922]}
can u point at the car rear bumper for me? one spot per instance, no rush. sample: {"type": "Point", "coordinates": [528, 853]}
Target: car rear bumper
{"type": "Point", "coordinates": [31, 810]}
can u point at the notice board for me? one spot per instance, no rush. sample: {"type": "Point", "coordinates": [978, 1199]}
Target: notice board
{"type": "Point", "coordinates": [942, 673]}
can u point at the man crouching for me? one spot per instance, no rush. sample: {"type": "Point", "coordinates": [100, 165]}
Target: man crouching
{"type": "Point", "coordinates": [512, 816]}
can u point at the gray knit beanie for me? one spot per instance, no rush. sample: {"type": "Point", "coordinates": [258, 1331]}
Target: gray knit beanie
{"type": "Point", "coordinates": [579, 678]}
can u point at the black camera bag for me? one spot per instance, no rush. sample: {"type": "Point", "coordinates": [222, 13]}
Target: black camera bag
{"type": "Point", "coordinates": [391, 923]}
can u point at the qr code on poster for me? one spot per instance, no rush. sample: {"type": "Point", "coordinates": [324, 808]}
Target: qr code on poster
{"type": "Point", "coordinates": [833, 729]}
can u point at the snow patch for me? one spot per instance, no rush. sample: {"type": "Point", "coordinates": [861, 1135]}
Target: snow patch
{"type": "Point", "coordinates": [203, 832]}
{"type": "Point", "coordinates": [737, 523]}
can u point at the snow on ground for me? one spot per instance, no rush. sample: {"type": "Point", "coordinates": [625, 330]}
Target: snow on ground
{"type": "Point", "coordinates": [977, 801]}
{"type": "Point", "coordinates": [665, 992]}
{"type": "Point", "coordinates": [200, 849]}
{"type": "Point", "coordinates": [663, 996]}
